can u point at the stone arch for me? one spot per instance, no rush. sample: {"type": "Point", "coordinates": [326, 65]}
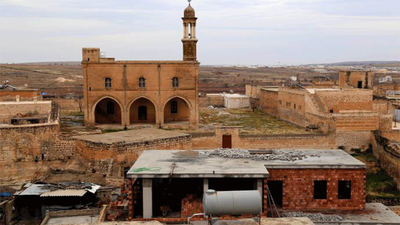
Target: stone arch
{"type": "Point", "coordinates": [183, 110]}
{"type": "Point", "coordinates": [107, 110]}
{"type": "Point", "coordinates": [146, 105]}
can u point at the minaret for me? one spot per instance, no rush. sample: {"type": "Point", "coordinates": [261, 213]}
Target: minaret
{"type": "Point", "coordinates": [189, 39]}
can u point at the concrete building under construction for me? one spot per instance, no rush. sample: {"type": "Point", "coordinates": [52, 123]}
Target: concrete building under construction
{"type": "Point", "coordinates": [169, 185]}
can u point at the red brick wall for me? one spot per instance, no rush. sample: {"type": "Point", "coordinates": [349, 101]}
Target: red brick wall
{"type": "Point", "coordinates": [298, 188]}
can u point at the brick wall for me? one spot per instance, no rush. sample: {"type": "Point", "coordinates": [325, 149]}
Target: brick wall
{"type": "Point", "coordinates": [298, 188]}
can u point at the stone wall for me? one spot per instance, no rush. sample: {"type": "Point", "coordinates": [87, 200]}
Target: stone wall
{"type": "Point", "coordinates": [29, 150]}
{"type": "Point", "coordinates": [211, 100]}
{"type": "Point", "coordinates": [269, 102]}
{"type": "Point", "coordinates": [125, 154]}
{"type": "Point", "coordinates": [9, 110]}
{"type": "Point", "coordinates": [213, 141]}
{"type": "Point", "coordinates": [24, 95]}
{"type": "Point", "coordinates": [348, 99]}
{"type": "Point", "coordinates": [353, 140]}
{"type": "Point", "coordinates": [298, 188]}
{"type": "Point", "coordinates": [388, 155]}
{"type": "Point", "coordinates": [291, 104]}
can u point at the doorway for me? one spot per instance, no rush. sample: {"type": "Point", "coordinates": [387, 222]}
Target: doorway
{"type": "Point", "coordinates": [142, 113]}
{"type": "Point", "coordinates": [359, 84]}
{"type": "Point", "coordinates": [226, 141]}
{"type": "Point", "coordinates": [276, 191]}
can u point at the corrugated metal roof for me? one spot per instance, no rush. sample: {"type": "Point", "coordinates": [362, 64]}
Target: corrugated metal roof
{"type": "Point", "coordinates": [36, 189]}
{"type": "Point", "coordinates": [64, 193]}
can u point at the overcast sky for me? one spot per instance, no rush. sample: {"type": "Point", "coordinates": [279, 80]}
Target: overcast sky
{"type": "Point", "coordinates": [266, 32]}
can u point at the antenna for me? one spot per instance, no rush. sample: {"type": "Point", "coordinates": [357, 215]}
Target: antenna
{"type": "Point", "coordinates": [189, 1]}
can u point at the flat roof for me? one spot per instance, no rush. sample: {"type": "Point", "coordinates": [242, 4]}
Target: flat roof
{"type": "Point", "coordinates": [317, 159]}
{"type": "Point", "coordinates": [131, 136]}
{"type": "Point", "coordinates": [188, 163]}
{"type": "Point", "coordinates": [205, 163]}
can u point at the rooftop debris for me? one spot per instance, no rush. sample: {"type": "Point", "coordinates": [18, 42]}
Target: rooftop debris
{"type": "Point", "coordinates": [315, 217]}
{"type": "Point", "coordinates": [282, 155]}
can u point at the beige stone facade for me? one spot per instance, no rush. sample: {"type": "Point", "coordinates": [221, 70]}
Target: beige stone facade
{"type": "Point", "coordinates": [137, 92]}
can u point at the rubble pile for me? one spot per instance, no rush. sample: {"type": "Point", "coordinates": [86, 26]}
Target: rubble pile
{"type": "Point", "coordinates": [282, 155]}
{"type": "Point", "coordinates": [315, 217]}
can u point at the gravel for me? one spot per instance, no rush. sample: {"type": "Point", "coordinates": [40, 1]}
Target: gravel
{"type": "Point", "coordinates": [315, 217]}
{"type": "Point", "coordinates": [281, 155]}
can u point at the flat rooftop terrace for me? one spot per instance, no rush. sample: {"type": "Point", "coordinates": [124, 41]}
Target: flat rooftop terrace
{"type": "Point", "coordinates": [131, 136]}
{"type": "Point", "coordinates": [235, 163]}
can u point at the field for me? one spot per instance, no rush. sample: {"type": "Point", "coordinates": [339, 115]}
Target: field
{"type": "Point", "coordinates": [62, 78]}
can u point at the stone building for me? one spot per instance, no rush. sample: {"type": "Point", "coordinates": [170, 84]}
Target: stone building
{"type": "Point", "coordinates": [349, 113]}
{"type": "Point", "coordinates": [356, 79]}
{"type": "Point", "coordinates": [137, 92]}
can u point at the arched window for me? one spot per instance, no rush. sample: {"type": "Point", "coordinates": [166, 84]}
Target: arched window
{"type": "Point", "coordinates": [108, 82]}
{"type": "Point", "coordinates": [142, 82]}
{"type": "Point", "coordinates": [174, 107]}
{"type": "Point", "coordinates": [175, 82]}
{"type": "Point", "coordinates": [110, 108]}
{"type": "Point", "coordinates": [331, 111]}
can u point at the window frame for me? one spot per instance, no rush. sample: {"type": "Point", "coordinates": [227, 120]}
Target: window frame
{"type": "Point", "coordinates": [175, 82]}
{"type": "Point", "coordinates": [108, 83]}
{"type": "Point", "coordinates": [142, 82]}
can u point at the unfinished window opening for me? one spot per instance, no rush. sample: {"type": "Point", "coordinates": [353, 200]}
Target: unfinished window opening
{"type": "Point", "coordinates": [126, 169]}
{"type": "Point", "coordinates": [110, 108]}
{"type": "Point", "coordinates": [359, 85]}
{"type": "Point", "coordinates": [320, 189]}
{"type": "Point", "coordinates": [344, 189]}
{"type": "Point", "coordinates": [276, 190]}
{"type": "Point", "coordinates": [231, 184]}
{"type": "Point", "coordinates": [142, 82]}
{"type": "Point", "coordinates": [108, 83]}
{"type": "Point", "coordinates": [170, 196]}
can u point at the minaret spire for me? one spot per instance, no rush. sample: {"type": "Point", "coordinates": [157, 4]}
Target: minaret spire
{"type": "Point", "coordinates": [189, 39]}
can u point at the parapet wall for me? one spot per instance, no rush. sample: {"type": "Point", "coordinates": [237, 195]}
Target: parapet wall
{"type": "Point", "coordinates": [125, 154]}
{"type": "Point", "coordinates": [248, 141]}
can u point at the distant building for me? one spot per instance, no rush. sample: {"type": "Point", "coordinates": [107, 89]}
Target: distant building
{"type": "Point", "coordinates": [236, 101]}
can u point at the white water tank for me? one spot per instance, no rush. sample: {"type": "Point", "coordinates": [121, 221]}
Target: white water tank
{"type": "Point", "coordinates": [232, 202]}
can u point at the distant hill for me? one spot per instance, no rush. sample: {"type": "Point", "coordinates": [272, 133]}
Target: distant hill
{"type": "Point", "coordinates": [365, 63]}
